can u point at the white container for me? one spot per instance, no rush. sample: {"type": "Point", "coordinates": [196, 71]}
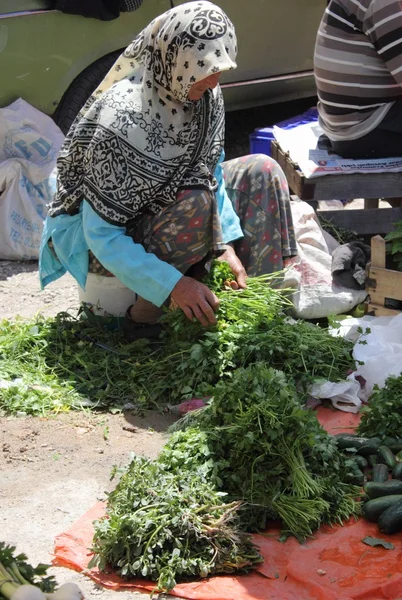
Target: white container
{"type": "Point", "coordinates": [107, 296]}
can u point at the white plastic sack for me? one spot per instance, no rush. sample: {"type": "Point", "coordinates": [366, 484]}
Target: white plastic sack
{"type": "Point", "coordinates": [29, 144]}
{"type": "Point", "coordinates": [310, 271]}
{"type": "Point", "coordinates": [379, 346]}
{"type": "Point", "coordinates": [344, 395]}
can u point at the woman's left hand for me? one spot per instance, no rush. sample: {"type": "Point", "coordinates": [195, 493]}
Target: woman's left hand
{"type": "Point", "coordinates": [230, 256]}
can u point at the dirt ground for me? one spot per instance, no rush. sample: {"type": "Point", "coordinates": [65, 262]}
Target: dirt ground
{"type": "Point", "coordinates": [53, 470]}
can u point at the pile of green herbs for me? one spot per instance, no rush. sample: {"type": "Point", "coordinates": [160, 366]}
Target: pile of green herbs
{"type": "Point", "coordinates": [382, 417]}
{"type": "Point", "coordinates": [252, 444]}
{"type": "Point", "coordinates": [62, 363]}
{"type": "Point", "coordinates": [168, 525]}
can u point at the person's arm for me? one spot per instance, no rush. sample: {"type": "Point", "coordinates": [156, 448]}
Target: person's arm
{"type": "Point", "coordinates": [386, 34]}
{"type": "Point", "coordinates": [230, 222]}
{"type": "Point", "coordinates": [142, 272]}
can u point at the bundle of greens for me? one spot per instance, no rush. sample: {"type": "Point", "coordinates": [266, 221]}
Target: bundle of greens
{"type": "Point", "coordinates": [269, 452]}
{"type": "Point", "coordinates": [57, 364]}
{"type": "Point", "coordinates": [253, 444]}
{"type": "Point", "coordinates": [169, 525]}
{"type": "Point", "coordinates": [15, 571]}
{"type": "Point", "coordinates": [383, 417]}
{"type": "Point", "coordinates": [259, 303]}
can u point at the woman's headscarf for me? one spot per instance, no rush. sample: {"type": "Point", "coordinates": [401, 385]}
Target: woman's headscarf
{"type": "Point", "coordinates": [138, 139]}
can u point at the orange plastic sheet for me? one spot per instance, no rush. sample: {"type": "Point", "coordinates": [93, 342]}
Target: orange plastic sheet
{"type": "Point", "coordinates": [335, 565]}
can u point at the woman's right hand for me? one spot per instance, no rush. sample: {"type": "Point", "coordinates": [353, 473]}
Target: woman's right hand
{"type": "Point", "coordinates": [196, 300]}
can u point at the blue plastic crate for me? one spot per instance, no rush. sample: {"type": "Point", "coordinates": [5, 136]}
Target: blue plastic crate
{"type": "Point", "coordinates": [260, 139]}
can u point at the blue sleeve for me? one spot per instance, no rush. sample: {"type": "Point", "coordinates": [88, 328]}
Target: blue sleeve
{"type": "Point", "coordinates": [139, 270]}
{"type": "Point", "coordinates": [230, 222]}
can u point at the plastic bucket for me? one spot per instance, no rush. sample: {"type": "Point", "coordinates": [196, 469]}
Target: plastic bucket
{"type": "Point", "coordinates": [107, 296]}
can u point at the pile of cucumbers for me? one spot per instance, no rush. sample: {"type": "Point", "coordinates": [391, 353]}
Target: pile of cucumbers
{"type": "Point", "coordinates": [378, 467]}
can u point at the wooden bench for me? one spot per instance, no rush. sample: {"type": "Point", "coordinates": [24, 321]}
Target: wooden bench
{"type": "Point", "coordinates": [370, 186]}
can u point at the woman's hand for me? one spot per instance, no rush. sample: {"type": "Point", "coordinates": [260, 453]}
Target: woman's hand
{"type": "Point", "coordinates": [236, 266]}
{"type": "Point", "coordinates": [196, 300]}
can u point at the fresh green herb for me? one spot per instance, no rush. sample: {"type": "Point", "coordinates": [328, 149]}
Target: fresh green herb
{"type": "Point", "coordinates": [252, 444]}
{"type": "Point", "coordinates": [383, 417]}
{"type": "Point", "coordinates": [54, 365]}
{"type": "Point", "coordinates": [266, 447]}
{"type": "Point", "coordinates": [169, 526]}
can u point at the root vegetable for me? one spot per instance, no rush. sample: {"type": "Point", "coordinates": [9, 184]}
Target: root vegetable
{"type": "Point", "coordinates": [68, 591]}
{"type": "Point", "coordinates": [28, 592]}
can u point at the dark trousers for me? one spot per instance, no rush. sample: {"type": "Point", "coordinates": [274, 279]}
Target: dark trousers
{"type": "Point", "coordinates": [383, 142]}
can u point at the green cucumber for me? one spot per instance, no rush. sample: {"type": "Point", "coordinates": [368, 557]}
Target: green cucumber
{"type": "Point", "coordinates": [375, 489]}
{"type": "Point", "coordinates": [386, 457]}
{"type": "Point", "coordinates": [390, 520]}
{"type": "Point", "coordinates": [361, 462]}
{"type": "Point", "coordinates": [373, 509]}
{"type": "Point", "coordinates": [399, 456]}
{"type": "Point", "coordinates": [394, 444]}
{"type": "Point", "coordinates": [372, 460]}
{"type": "Point", "coordinates": [397, 471]}
{"type": "Point", "coordinates": [358, 477]}
{"type": "Point", "coordinates": [363, 446]}
{"type": "Point", "coordinates": [355, 475]}
{"type": "Point", "coordinates": [380, 473]}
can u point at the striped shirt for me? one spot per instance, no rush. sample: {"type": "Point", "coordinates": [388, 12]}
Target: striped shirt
{"type": "Point", "coordinates": [358, 65]}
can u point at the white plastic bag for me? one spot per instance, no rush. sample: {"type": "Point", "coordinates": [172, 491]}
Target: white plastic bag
{"type": "Point", "coordinates": [381, 351]}
{"type": "Point", "coordinates": [29, 144]}
{"type": "Point", "coordinates": [310, 271]}
{"type": "Point", "coordinates": [378, 344]}
{"type": "Point", "coordinates": [344, 395]}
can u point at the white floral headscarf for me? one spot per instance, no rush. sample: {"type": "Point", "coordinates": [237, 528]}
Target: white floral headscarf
{"type": "Point", "coordinates": [139, 139]}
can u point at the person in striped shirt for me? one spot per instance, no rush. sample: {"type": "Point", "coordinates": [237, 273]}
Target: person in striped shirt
{"type": "Point", "coordinates": [358, 73]}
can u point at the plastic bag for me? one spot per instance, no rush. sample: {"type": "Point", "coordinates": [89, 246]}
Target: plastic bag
{"type": "Point", "coordinates": [378, 345]}
{"type": "Point", "coordinates": [344, 395]}
{"type": "Point", "coordinates": [29, 144]}
{"type": "Point", "coordinates": [310, 271]}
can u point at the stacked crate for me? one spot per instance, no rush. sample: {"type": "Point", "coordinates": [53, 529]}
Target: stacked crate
{"type": "Point", "coordinates": [383, 284]}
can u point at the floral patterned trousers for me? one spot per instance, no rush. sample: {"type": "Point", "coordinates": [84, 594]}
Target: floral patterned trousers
{"type": "Point", "coordinates": [186, 233]}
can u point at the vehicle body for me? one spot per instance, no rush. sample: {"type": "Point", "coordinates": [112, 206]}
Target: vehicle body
{"type": "Point", "coordinates": [54, 60]}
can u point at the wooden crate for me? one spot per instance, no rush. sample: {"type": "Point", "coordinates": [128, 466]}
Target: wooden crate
{"type": "Point", "coordinates": [371, 186]}
{"type": "Point", "coordinates": [382, 283]}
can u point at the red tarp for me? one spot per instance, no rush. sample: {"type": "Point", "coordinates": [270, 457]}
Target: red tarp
{"type": "Point", "coordinates": [335, 565]}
